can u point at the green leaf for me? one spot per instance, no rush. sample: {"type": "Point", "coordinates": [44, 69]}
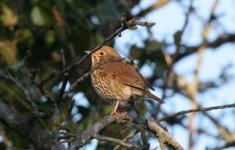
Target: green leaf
{"type": "Point", "coordinates": [37, 17]}
{"type": "Point", "coordinates": [154, 46]}
{"type": "Point", "coordinates": [50, 38]}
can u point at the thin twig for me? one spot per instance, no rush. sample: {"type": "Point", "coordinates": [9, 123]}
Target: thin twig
{"type": "Point", "coordinates": [9, 77]}
{"type": "Point", "coordinates": [156, 5]}
{"type": "Point", "coordinates": [195, 83]}
{"type": "Point", "coordinates": [226, 145]}
{"type": "Point", "coordinates": [223, 39]}
{"type": "Point", "coordinates": [72, 67]}
{"type": "Point", "coordinates": [171, 60]}
{"type": "Point", "coordinates": [114, 140]}
{"type": "Point", "coordinates": [141, 121]}
{"type": "Point", "coordinates": [178, 39]}
{"type": "Point", "coordinates": [197, 110]}
{"type": "Point", "coordinates": [75, 84]}
{"type": "Point", "coordinates": [21, 64]}
{"type": "Point", "coordinates": [131, 24]}
{"type": "Point", "coordinates": [129, 136]}
{"type": "Point", "coordinates": [63, 59]}
{"type": "Point", "coordinates": [48, 97]}
{"type": "Point", "coordinates": [62, 89]}
{"type": "Point", "coordinates": [224, 133]}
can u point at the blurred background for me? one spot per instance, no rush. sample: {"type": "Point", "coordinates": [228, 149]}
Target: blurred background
{"type": "Point", "coordinates": [188, 57]}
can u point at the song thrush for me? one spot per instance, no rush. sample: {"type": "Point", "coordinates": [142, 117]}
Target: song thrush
{"type": "Point", "coordinates": [117, 81]}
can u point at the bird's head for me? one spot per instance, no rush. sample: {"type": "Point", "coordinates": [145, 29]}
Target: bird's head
{"type": "Point", "coordinates": [105, 53]}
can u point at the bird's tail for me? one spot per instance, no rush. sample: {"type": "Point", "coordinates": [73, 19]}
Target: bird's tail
{"type": "Point", "coordinates": [150, 95]}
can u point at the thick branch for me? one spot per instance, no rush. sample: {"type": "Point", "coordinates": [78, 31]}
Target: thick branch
{"type": "Point", "coordinates": [163, 135]}
{"type": "Point", "coordinates": [122, 118]}
{"type": "Point", "coordinates": [41, 139]}
{"type": "Point", "coordinates": [96, 128]}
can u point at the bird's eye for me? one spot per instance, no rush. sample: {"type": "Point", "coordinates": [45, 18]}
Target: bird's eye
{"type": "Point", "coordinates": [101, 53]}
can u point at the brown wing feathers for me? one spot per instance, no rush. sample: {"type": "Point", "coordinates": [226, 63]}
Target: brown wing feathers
{"type": "Point", "coordinates": [129, 76]}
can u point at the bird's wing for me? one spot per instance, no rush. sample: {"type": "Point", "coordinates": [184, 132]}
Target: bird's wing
{"type": "Point", "coordinates": [126, 74]}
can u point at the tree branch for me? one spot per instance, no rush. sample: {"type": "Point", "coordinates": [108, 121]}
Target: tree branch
{"type": "Point", "coordinates": [122, 118]}
{"type": "Point", "coordinates": [156, 5]}
{"type": "Point", "coordinates": [164, 136]}
{"type": "Point", "coordinates": [113, 140]}
{"type": "Point", "coordinates": [96, 128]}
{"type": "Point", "coordinates": [9, 77]}
{"type": "Point", "coordinates": [130, 24]}
{"type": "Point", "coordinates": [129, 136]}
{"type": "Point", "coordinates": [214, 44]}
{"type": "Point", "coordinates": [39, 138]}
{"type": "Point", "coordinates": [197, 110]}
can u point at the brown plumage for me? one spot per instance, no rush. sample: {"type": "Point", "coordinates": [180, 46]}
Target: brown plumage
{"type": "Point", "coordinates": [117, 81]}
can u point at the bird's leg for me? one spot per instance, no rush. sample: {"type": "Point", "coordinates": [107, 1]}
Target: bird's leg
{"type": "Point", "coordinates": [115, 109]}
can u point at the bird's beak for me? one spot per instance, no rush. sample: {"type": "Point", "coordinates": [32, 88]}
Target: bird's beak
{"type": "Point", "coordinates": [87, 51]}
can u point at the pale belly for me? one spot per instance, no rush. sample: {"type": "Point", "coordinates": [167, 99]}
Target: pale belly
{"type": "Point", "coordinates": [112, 90]}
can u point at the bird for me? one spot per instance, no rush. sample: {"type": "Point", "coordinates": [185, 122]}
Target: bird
{"type": "Point", "coordinates": [117, 81]}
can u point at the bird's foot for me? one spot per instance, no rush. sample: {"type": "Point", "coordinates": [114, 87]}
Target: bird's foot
{"type": "Point", "coordinates": [116, 112]}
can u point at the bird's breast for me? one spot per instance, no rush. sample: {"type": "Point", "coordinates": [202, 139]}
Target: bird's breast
{"type": "Point", "coordinates": [109, 88]}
